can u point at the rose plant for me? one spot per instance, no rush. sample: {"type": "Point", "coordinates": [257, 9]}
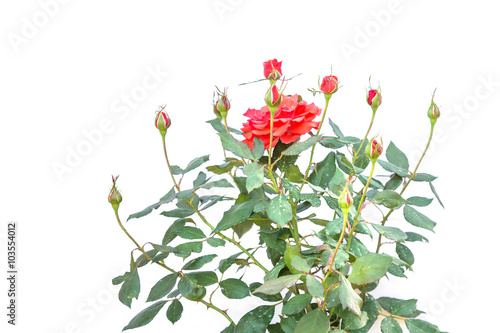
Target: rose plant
{"type": "Point", "coordinates": [318, 255]}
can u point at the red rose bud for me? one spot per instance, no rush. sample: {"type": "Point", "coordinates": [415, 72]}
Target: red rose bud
{"type": "Point", "coordinates": [162, 121]}
{"type": "Point", "coordinates": [272, 69]}
{"type": "Point", "coordinates": [114, 196]}
{"type": "Point", "coordinates": [330, 84]}
{"type": "Point", "coordinates": [345, 200]}
{"type": "Point", "coordinates": [273, 96]}
{"type": "Point", "coordinates": [433, 112]}
{"type": "Point", "coordinates": [374, 149]}
{"type": "Point", "coordinates": [374, 98]}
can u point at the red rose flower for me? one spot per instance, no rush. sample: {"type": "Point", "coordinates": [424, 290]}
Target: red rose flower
{"type": "Point", "coordinates": [272, 69]}
{"type": "Point", "coordinates": [291, 120]}
{"type": "Point", "coordinates": [330, 84]}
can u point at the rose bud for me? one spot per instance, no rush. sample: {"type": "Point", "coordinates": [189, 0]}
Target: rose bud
{"type": "Point", "coordinates": [433, 112]}
{"type": "Point", "coordinates": [223, 105]}
{"type": "Point", "coordinates": [114, 196]}
{"type": "Point", "coordinates": [272, 69]}
{"type": "Point", "coordinates": [217, 112]}
{"type": "Point", "coordinates": [162, 121]}
{"type": "Point", "coordinates": [345, 200]}
{"type": "Point", "coordinates": [374, 98]}
{"type": "Point", "coordinates": [330, 84]}
{"type": "Point", "coordinates": [273, 97]}
{"type": "Point", "coordinates": [374, 149]}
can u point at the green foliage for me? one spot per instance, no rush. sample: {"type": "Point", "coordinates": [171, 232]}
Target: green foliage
{"type": "Point", "coordinates": [318, 267]}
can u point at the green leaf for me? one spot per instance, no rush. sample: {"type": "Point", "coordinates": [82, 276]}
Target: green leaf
{"type": "Point", "coordinates": [224, 167]}
{"type": "Point", "coordinates": [268, 298]}
{"type": "Point", "coordinates": [236, 147]}
{"type": "Point", "coordinates": [145, 316]}
{"type": "Point", "coordinates": [184, 250]}
{"type": "Point", "coordinates": [206, 278]}
{"type": "Point", "coordinates": [218, 183]}
{"type": "Point", "coordinates": [174, 311]}
{"type": "Point", "coordinates": [312, 198]}
{"type": "Point", "coordinates": [414, 237]}
{"type": "Point", "coordinates": [300, 264]}
{"type": "Point", "coordinates": [393, 168]}
{"type": "Point", "coordinates": [335, 128]}
{"type": "Point", "coordinates": [162, 287]}
{"type": "Point", "coordinates": [279, 210]}
{"type": "Point", "coordinates": [290, 252]}
{"type": "Point", "coordinates": [314, 287]}
{"type": "Point", "coordinates": [418, 219]}
{"type": "Point", "coordinates": [255, 175]}
{"type": "Point", "coordinates": [234, 288]}
{"type": "Point", "coordinates": [235, 215]}
{"type": "Point", "coordinates": [369, 268]}
{"type": "Point", "coordinates": [258, 148]}
{"type": "Point", "coordinates": [288, 324]}
{"type": "Point", "coordinates": [315, 321]}
{"type": "Point", "coordinates": [390, 232]}
{"type": "Point", "coordinates": [374, 183]}
{"type": "Point", "coordinates": [324, 171]}
{"type": "Point", "coordinates": [418, 201]}
{"type": "Point", "coordinates": [275, 286]}
{"type": "Point", "coordinates": [297, 304]}
{"type": "Point", "coordinates": [390, 325]}
{"type": "Point", "coordinates": [433, 189]}
{"type": "Point", "coordinates": [389, 199]}
{"type": "Point", "coordinates": [420, 326]}
{"type": "Point", "coordinates": [215, 242]}
{"type": "Point", "coordinates": [424, 177]}
{"type": "Point", "coordinates": [170, 196]}
{"type": "Point", "coordinates": [405, 254]}
{"type": "Point", "coordinates": [394, 182]}
{"type": "Point", "coordinates": [353, 322]}
{"type": "Point", "coordinates": [191, 233]}
{"type": "Point", "coordinates": [176, 170]}
{"type": "Point", "coordinates": [120, 279]}
{"type": "Point", "coordinates": [171, 232]}
{"type": "Point", "coordinates": [349, 298]}
{"type": "Point", "coordinates": [190, 289]}
{"type": "Point", "coordinates": [219, 127]}
{"type": "Point", "coordinates": [256, 320]}
{"type": "Point", "coordinates": [397, 157]}
{"type": "Point", "coordinates": [130, 288]}
{"type": "Point", "coordinates": [294, 175]}
{"type": "Point", "coordinates": [198, 262]}
{"type": "Point", "coordinates": [348, 140]}
{"type": "Point", "coordinates": [275, 271]}
{"type": "Point", "coordinates": [398, 307]}
{"type": "Point", "coordinates": [178, 212]}
{"type": "Point", "coordinates": [292, 189]}
{"type": "Point", "coordinates": [299, 147]}
{"type": "Point", "coordinates": [196, 163]}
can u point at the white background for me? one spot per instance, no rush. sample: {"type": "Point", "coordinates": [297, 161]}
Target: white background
{"type": "Point", "coordinates": [68, 68]}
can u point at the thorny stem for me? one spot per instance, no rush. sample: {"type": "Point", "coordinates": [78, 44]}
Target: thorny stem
{"type": "Point", "coordinates": [364, 139]}
{"type": "Point", "coordinates": [359, 206]}
{"type": "Point", "coordinates": [226, 238]}
{"type": "Point", "coordinates": [168, 163]}
{"type": "Point", "coordinates": [332, 259]}
{"type": "Point", "coordinates": [211, 306]}
{"type": "Point", "coordinates": [384, 220]}
{"type": "Point", "coordinates": [137, 244]}
{"type": "Point", "coordinates": [327, 102]}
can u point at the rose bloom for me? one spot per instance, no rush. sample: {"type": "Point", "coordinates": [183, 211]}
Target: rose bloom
{"type": "Point", "coordinates": [291, 120]}
{"type": "Point", "coordinates": [270, 66]}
